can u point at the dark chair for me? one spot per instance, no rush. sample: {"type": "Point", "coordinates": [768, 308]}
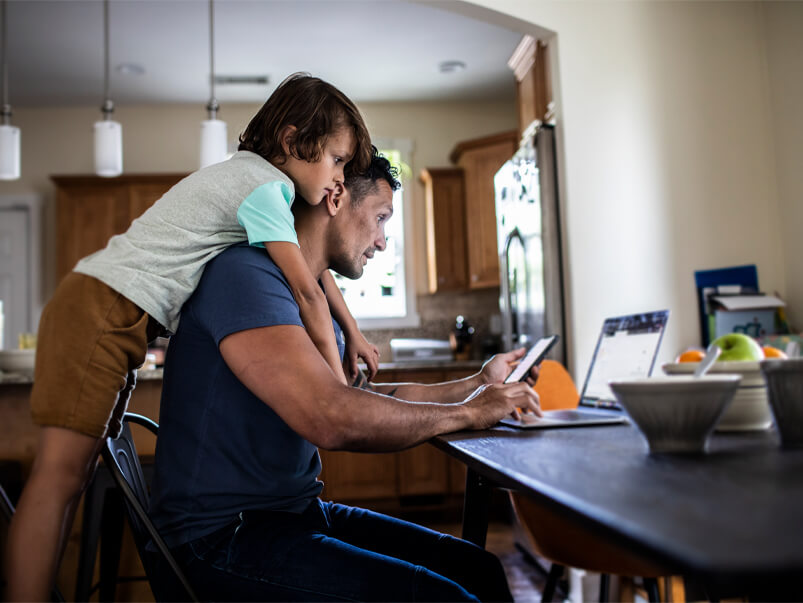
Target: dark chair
{"type": "Point", "coordinates": [7, 508]}
{"type": "Point", "coordinates": [561, 542]}
{"type": "Point", "coordinates": [103, 520]}
{"type": "Point", "coordinates": [5, 505]}
{"type": "Point", "coordinates": [120, 456]}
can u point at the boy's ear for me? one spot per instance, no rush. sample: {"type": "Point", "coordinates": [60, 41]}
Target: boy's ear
{"type": "Point", "coordinates": [287, 139]}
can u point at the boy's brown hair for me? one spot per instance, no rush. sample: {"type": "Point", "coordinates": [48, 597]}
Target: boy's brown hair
{"type": "Point", "coordinates": [317, 109]}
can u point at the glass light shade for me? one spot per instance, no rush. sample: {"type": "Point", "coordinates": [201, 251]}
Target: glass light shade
{"type": "Point", "coordinates": [108, 148]}
{"type": "Point", "coordinates": [9, 152]}
{"type": "Point", "coordinates": [213, 142]}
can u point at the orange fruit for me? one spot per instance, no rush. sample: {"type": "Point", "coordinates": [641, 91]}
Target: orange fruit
{"type": "Point", "coordinates": [691, 356]}
{"type": "Point", "coordinates": [771, 352]}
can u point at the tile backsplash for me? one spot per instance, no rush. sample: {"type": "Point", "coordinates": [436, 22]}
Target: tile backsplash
{"type": "Point", "coordinates": [438, 313]}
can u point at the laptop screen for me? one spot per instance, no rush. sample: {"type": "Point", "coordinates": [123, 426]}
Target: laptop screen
{"type": "Point", "coordinates": [627, 347]}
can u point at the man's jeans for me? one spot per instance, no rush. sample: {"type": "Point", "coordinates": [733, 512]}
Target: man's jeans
{"type": "Point", "coordinates": [333, 552]}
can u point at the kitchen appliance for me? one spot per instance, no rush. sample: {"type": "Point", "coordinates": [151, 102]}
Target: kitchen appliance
{"type": "Point", "coordinates": [420, 350]}
{"type": "Point", "coordinates": [529, 243]}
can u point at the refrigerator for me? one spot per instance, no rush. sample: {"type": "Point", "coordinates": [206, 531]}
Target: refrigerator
{"type": "Point", "coordinates": [529, 243]}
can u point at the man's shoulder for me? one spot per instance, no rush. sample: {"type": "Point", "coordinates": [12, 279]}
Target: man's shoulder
{"type": "Point", "coordinates": [244, 269]}
{"type": "Point", "coordinates": [243, 288]}
{"type": "Point", "coordinates": [245, 257]}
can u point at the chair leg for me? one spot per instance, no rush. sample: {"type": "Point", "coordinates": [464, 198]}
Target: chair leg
{"type": "Point", "coordinates": [604, 587]}
{"type": "Point", "coordinates": [90, 535]}
{"type": "Point", "coordinates": [555, 573]}
{"type": "Point", "coordinates": [653, 594]}
{"type": "Point", "coordinates": [111, 544]}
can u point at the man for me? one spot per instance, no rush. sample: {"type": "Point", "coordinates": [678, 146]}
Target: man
{"type": "Point", "coordinates": [247, 400]}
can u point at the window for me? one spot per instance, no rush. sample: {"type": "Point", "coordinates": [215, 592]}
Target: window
{"type": "Point", "coordinates": [384, 297]}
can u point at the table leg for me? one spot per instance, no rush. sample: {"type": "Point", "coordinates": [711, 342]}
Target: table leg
{"type": "Point", "coordinates": [476, 507]}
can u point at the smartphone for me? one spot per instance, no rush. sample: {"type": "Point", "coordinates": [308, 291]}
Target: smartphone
{"type": "Point", "coordinates": [533, 356]}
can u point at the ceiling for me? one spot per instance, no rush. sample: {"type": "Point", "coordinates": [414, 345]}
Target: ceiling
{"type": "Point", "coordinates": [374, 50]}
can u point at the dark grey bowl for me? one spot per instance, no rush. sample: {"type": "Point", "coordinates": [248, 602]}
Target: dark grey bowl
{"type": "Point", "coordinates": [785, 390]}
{"type": "Point", "coordinates": [676, 414]}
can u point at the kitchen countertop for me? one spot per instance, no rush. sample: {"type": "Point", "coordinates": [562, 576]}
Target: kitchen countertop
{"type": "Point", "coordinates": [443, 365]}
{"type": "Point", "coordinates": [7, 378]}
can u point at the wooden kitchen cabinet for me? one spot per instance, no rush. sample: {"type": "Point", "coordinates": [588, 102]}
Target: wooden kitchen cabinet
{"type": "Point", "coordinates": [447, 256]}
{"type": "Point", "coordinates": [422, 469]}
{"type": "Point", "coordinates": [480, 159]}
{"type": "Point", "coordinates": [530, 64]}
{"type": "Point", "coordinates": [91, 209]}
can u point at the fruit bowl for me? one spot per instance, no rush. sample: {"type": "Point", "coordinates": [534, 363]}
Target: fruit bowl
{"type": "Point", "coordinates": [750, 408]}
{"type": "Point", "coordinates": [676, 414]}
{"type": "Point", "coordinates": [17, 361]}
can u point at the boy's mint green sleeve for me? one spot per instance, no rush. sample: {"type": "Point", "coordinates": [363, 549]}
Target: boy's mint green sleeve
{"type": "Point", "coordinates": [265, 214]}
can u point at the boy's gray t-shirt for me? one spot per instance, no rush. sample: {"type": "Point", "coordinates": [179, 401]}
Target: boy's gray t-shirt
{"type": "Point", "coordinates": [158, 261]}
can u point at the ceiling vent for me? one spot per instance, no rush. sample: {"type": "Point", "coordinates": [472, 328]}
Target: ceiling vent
{"type": "Point", "coordinates": [240, 80]}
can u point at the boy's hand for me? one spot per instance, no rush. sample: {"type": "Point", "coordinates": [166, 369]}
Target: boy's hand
{"type": "Point", "coordinates": [359, 347]}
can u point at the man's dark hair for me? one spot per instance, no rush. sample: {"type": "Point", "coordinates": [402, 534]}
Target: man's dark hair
{"type": "Point", "coordinates": [317, 109]}
{"type": "Point", "coordinates": [365, 183]}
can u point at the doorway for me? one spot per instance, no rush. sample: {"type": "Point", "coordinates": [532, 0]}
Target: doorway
{"type": "Point", "coordinates": [19, 266]}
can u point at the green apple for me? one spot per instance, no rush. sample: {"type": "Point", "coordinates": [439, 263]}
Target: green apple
{"type": "Point", "coordinates": [738, 346]}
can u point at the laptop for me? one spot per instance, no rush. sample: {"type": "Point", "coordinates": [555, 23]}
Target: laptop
{"type": "Point", "coordinates": [627, 347]}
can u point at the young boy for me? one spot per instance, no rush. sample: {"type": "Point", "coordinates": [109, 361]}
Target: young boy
{"type": "Point", "coordinates": [94, 332]}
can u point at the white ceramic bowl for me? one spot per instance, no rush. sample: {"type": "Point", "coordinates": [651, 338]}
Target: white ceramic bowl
{"type": "Point", "coordinates": [676, 414]}
{"type": "Point", "coordinates": [17, 361]}
{"type": "Point", "coordinates": [750, 409]}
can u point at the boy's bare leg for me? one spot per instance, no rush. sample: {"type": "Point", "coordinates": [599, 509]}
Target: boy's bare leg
{"type": "Point", "coordinates": [65, 461]}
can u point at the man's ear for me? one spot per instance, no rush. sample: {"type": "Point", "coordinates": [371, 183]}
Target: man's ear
{"type": "Point", "coordinates": [287, 139]}
{"type": "Point", "coordinates": [336, 200]}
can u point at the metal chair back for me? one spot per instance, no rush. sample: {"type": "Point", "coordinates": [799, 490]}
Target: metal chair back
{"type": "Point", "coordinates": [120, 456]}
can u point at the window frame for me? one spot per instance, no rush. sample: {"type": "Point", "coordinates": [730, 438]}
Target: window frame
{"type": "Point", "coordinates": [411, 319]}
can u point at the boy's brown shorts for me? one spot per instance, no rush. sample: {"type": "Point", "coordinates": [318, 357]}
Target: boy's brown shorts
{"type": "Point", "coordinates": [90, 342]}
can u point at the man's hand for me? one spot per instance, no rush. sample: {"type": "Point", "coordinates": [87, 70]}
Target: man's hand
{"type": "Point", "coordinates": [491, 403]}
{"type": "Point", "coordinates": [497, 369]}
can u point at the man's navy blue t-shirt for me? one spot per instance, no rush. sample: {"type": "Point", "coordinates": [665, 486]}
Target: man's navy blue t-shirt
{"type": "Point", "coordinates": [221, 450]}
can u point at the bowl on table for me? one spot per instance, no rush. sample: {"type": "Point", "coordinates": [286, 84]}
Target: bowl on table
{"type": "Point", "coordinates": [17, 361]}
{"type": "Point", "coordinates": [676, 414]}
{"type": "Point", "coordinates": [750, 409]}
{"type": "Point", "coordinates": [785, 391]}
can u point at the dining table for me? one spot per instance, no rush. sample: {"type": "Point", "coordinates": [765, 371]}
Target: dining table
{"type": "Point", "coordinates": [730, 520]}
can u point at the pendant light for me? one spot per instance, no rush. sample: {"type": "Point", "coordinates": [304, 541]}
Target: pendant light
{"type": "Point", "coordinates": [9, 135]}
{"type": "Point", "coordinates": [213, 130]}
{"type": "Point", "coordinates": [108, 133]}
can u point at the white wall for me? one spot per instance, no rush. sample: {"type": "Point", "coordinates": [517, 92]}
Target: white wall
{"type": "Point", "coordinates": [165, 138]}
{"type": "Point", "coordinates": [784, 36]}
{"type": "Point", "coordinates": [668, 152]}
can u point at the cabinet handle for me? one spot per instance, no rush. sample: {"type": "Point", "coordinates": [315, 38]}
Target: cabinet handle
{"type": "Point", "coordinates": [475, 278]}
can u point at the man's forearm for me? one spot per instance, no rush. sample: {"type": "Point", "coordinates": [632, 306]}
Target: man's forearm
{"type": "Point", "coordinates": [447, 392]}
{"type": "Point", "coordinates": [386, 424]}
{"type": "Point", "coordinates": [299, 388]}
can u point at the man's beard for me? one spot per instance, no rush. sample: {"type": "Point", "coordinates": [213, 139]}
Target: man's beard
{"type": "Point", "coordinates": [350, 268]}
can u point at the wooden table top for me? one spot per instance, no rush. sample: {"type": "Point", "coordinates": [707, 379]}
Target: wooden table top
{"type": "Point", "coordinates": [736, 511]}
